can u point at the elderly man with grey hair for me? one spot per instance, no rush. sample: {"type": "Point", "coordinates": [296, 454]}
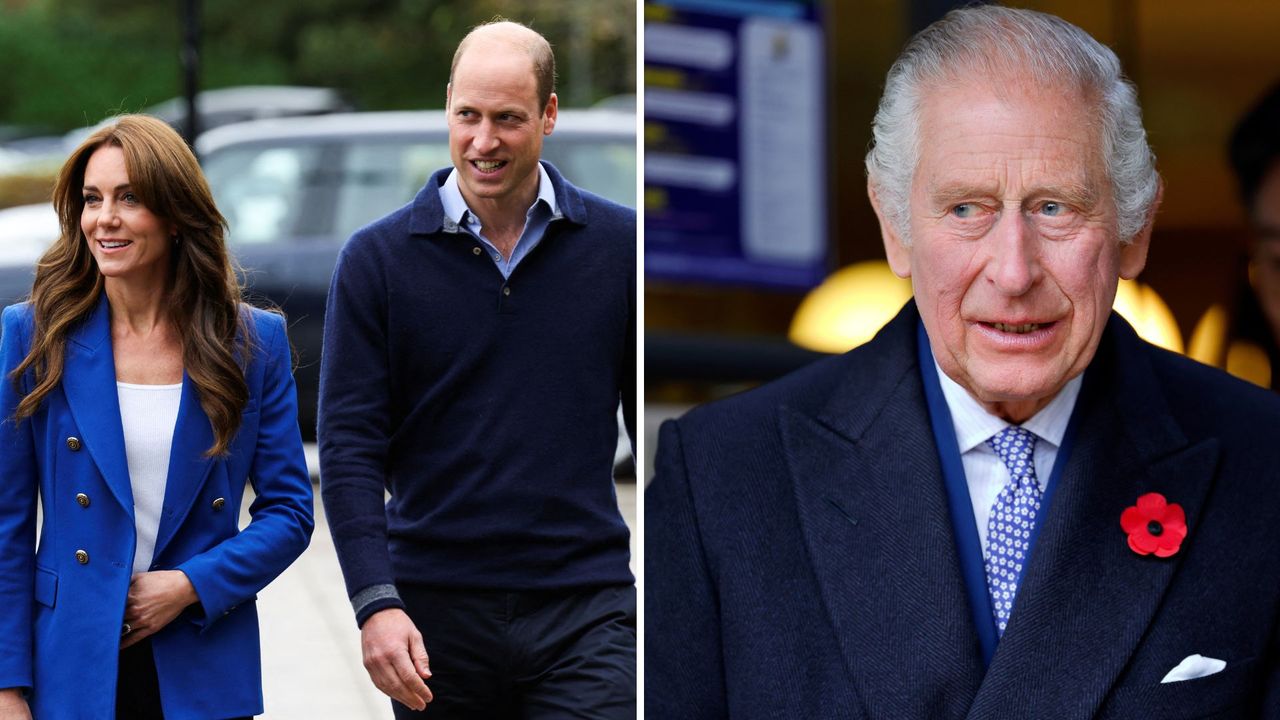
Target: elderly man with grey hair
{"type": "Point", "coordinates": [1006, 505]}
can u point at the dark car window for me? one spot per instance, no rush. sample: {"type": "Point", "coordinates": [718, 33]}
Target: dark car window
{"type": "Point", "coordinates": [380, 177]}
{"type": "Point", "coordinates": [328, 189]}
{"type": "Point", "coordinates": [263, 191]}
{"type": "Point", "coordinates": [605, 166]}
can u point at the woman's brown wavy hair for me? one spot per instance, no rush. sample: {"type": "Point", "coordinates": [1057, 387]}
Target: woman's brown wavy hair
{"type": "Point", "coordinates": [204, 299]}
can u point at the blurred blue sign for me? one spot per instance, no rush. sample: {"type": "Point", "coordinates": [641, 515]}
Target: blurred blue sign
{"type": "Point", "coordinates": [735, 147]}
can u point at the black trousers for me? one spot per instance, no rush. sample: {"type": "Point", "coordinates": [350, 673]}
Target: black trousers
{"type": "Point", "coordinates": [529, 655]}
{"type": "Point", "coordinates": [137, 687]}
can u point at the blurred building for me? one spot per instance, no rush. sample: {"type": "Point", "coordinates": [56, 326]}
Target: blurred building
{"type": "Point", "coordinates": [1197, 66]}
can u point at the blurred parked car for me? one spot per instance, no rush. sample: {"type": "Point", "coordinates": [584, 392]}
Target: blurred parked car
{"type": "Point", "coordinates": [25, 232]}
{"type": "Point", "coordinates": [294, 190]}
{"type": "Point", "coordinates": [241, 103]}
{"type": "Point", "coordinates": [224, 106]}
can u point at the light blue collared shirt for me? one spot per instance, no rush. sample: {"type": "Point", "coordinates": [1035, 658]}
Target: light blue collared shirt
{"type": "Point", "coordinates": [540, 215]}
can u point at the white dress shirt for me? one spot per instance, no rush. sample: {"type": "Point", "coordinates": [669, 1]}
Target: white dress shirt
{"type": "Point", "coordinates": [985, 474]}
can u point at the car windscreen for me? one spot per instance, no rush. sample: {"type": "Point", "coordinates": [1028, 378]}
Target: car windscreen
{"type": "Point", "coordinates": [329, 188]}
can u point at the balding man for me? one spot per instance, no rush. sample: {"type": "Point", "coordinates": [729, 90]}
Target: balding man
{"type": "Point", "coordinates": [1006, 505]}
{"type": "Point", "coordinates": [477, 344]}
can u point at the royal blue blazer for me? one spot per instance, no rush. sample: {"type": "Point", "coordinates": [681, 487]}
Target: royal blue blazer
{"type": "Point", "coordinates": [62, 604]}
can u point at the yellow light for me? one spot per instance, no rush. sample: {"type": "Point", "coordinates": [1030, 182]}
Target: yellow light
{"type": "Point", "coordinates": [664, 77]}
{"type": "Point", "coordinates": [657, 13]}
{"type": "Point", "coordinates": [853, 303]}
{"type": "Point", "coordinates": [1241, 358]}
{"type": "Point", "coordinates": [1148, 314]}
{"type": "Point", "coordinates": [655, 198]}
{"type": "Point", "coordinates": [1209, 336]}
{"type": "Point", "coordinates": [1249, 362]}
{"type": "Point", "coordinates": [849, 307]}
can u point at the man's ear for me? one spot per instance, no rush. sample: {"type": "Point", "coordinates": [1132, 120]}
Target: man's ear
{"type": "Point", "coordinates": [549, 114]}
{"type": "Point", "coordinates": [899, 255]}
{"type": "Point", "coordinates": [448, 94]}
{"type": "Point", "coordinates": [1133, 256]}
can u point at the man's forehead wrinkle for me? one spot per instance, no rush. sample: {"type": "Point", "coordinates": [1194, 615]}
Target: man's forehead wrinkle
{"type": "Point", "coordinates": [953, 173]}
{"type": "Point", "coordinates": [1029, 138]}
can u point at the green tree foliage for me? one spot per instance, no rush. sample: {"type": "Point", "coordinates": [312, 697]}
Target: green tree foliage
{"type": "Point", "coordinates": [68, 63]}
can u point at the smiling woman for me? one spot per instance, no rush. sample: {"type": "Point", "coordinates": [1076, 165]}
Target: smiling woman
{"type": "Point", "coordinates": [126, 239]}
{"type": "Point", "coordinates": [136, 371]}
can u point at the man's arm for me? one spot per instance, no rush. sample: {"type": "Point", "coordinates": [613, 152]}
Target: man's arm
{"type": "Point", "coordinates": [354, 433]}
{"type": "Point", "coordinates": [628, 380]}
{"type": "Point", "coordinates": [354, 427]}
{"type": "Point", "coordinates": [684, 666]}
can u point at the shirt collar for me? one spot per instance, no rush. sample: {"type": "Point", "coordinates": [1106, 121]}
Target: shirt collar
{"type": "Point", "coordinates": [456, 210]}
{"type": "Point", "coordinates": [974, 425]}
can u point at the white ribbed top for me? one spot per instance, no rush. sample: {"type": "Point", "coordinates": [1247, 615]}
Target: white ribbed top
{"type": "Point", "coordinates": [149, 414]}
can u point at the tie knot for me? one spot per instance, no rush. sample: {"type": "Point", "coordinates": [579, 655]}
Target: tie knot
{"type": "Point", "coordinates": [1016, 448]}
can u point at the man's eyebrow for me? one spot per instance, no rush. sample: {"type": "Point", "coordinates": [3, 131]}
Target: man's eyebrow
{"type": "Point", "coordinates": [1071, 193]}
{"type": "Point", "coordinates": [514, 111]}
{"type": "Point", "coordinates": [954, 193]}
{"type": "Point", "coordinates": [1084, 196]}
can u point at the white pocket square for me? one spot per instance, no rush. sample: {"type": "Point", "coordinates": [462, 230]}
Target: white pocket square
{"type": "Point", "coordinates": [1194, 666]}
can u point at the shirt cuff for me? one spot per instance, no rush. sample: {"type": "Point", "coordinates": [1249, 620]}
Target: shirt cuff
{"type": "Point", "coordinates": [374, 598]}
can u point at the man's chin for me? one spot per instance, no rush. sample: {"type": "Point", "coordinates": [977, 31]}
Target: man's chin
{"type": "Point", "coordinates": [1015, 398]}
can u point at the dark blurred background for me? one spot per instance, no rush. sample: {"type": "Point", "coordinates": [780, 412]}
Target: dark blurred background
{"type": "Point", "coordinates": [1198, 67]}
{"type": "Point", "coordinates": [69, 63]}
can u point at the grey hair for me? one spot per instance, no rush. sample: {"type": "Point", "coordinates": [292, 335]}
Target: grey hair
{"type": "Point", "coordinates": [992, 41]}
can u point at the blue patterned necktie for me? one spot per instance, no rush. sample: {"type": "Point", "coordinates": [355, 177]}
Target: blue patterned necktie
{"type": "Point", "coordinates": [1013, 517]}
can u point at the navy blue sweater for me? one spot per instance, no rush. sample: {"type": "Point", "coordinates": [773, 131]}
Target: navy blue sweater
{"type": "Point", "coordinates": [487, 407]}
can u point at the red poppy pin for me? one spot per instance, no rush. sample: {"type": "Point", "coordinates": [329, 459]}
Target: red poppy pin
{"type": "Point", "coordinates": [1154, 525]}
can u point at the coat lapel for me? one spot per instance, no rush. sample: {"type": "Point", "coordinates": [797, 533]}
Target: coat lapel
{"type": "Point", "coordinates": [1087, 599]}
{"type": "Point", "coordinates": [188, 466]}
{"type": "Point", "coordinates": [874, 515]}
{"type": "Point", "coordinates": [89, 383]}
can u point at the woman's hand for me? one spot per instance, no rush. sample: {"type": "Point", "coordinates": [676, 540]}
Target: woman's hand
{"type": "Point", "coordinates": [13, 706]}
{"type": "Point", "coordinates": [154, 600]}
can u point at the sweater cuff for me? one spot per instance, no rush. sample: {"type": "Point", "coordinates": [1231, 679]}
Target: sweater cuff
{"type": "Point", "coordinates": [374, 598]}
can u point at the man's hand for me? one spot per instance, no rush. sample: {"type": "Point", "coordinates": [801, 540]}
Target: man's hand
{"type": "Point", "coordinates": [13, 706]}
{"type": "Point", "coordinates": [154, 600]}
{"type": "Point", "coordinates": [396, 657]}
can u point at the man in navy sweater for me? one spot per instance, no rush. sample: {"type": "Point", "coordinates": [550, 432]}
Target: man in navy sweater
{"type": "Point", "coordinates": [477, 344]}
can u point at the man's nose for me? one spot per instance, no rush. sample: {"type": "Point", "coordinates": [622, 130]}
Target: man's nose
{"type": "Point", "coordinates": [1013, 265]}
{"type": "Point", "coordinates": [485, 140]}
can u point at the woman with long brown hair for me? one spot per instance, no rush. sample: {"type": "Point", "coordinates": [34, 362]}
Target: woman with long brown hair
{"type": "Point", "coordinates": [139, 397]}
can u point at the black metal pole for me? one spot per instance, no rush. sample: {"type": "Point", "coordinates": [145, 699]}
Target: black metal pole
{"type": "Point", "coordinates": [191, 67]}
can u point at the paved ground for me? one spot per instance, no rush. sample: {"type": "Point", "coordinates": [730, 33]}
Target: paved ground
{"type": "Point", "coordinates": [310, 644]}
